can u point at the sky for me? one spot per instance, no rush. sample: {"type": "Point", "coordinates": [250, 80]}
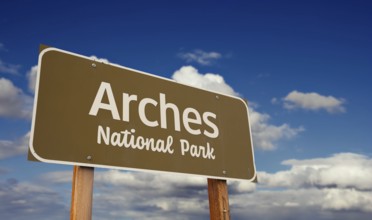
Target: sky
{"type": "Point", "coordinates": [304, 67]}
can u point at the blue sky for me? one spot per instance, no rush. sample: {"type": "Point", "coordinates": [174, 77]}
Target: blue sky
{"type": "Point", "coordinates": [304, 66]}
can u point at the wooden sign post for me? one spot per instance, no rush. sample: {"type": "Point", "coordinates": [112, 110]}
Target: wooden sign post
{"type": "Point", "coordinates": [82, 193]}
{"type": "Point", "coordinates": [218, 199]}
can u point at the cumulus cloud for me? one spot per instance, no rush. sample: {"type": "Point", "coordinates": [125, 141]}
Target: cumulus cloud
{"type": "Point", "coordinates": [57, 177]}
{"type": "Point", "coordinates": [347, 199]}
{"type": "Point", "coordinates": [201, 57]}
{"type": "Point", "coordinates": [135, 179]}
{"type": "Point", "coordinates": [147, 195]}
{"type": "Point", "coordinates": [151, 196]}
{"type": "Point", "coordinates": [13, 148]}
{"type": "Point", "coordinates": [143, 195]}
{"type": "Point", "coordinates": [275, 204]}
{"type": "Point", "coordinates": [313, 188]}
{"type": "Point", "coordinates": [149, 204]}
{"type": "Point", "coordinates": [132, 179]}
{"type": "Point", "coordinates": [310, 188]}
{"type": "Point", "coordinates": [9, 68]}
{"type": "Point", "coordinates": [31, 76]}
{"type": "Point", "coordinates": [26, 200]}
{"type": "Point", "coordinates": [309, 203]}
{"type": "Point", "coordinates": [314, 102]}
{"type": "Point", "coordinates": [103, 60]}
{"type": "Point", "coordinates": [238, 187]}
{"type": "Point", "coordinates": [13, 102]}
{"type": "Point", "coordinates": [190, 76]}
{"type": "Point", "coordinates": [265, 135]}
{"type": "Point", "coordinates": [343, 170]}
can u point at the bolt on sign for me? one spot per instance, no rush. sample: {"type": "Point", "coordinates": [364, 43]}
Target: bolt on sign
{"type": "Point", "coordinates": [91, 113]}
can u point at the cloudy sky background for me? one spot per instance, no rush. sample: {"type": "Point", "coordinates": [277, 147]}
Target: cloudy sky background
{"type": "Point", "coordinates": [305, 68]}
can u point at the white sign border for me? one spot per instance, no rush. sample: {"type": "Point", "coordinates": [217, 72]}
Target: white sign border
{"type": "Point", "coordinates": [33, 152]}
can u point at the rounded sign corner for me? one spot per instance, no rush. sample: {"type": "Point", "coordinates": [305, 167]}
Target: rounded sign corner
{"type": "Point", "coordinates": [243, 100]}
{"type": "Point", "coordinates": [254, 178]}
{"type": "Point", "coordinates": [33, 152]}
{"type": "Point", "coordinates": [46, 50]}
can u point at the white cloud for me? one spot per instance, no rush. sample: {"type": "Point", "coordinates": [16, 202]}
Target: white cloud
{"type": "Point", "coordinates": [200, 56]}
{"type": "Point", "coordinates": [13, 148]}
{"type": "Point", "coordinates": [134, 179]}
{"type": "Point", "coordinates": [347, 199]}
{"type": "Point", "coordinates": [190, 76]}
{"type": "Point", "coordinates": [308, 203]}
{"type": "Point", "coordinates": [238, 187]}
{"type": "Point", "coordinates": [13, 102]}
{"type": "Point", "coordinates": [313, 101]}
{"type": "Point", "coordinates": [103, 60]}
{"type": "Point", "coordinates": [264, 135]}
{"type": "Point", "coordinates": [172, 197]}
{"type": "Point", "coordinates": [25, 200]}
{"type": "Point", "coordinates": [9, 68]}
{"type": "Point", "coordinates": [306, 189]}
{"type": "Point", "coordinates": [139, 181]}
{"type": "Point", "coordinates": [343, 170]}
{"type": "Point", "coordinates": [57, 177]}
{"type": "Point", "coordinates": [31, 76]}
{"type": "Point", "coordinates": [143, 195]}
{"type": "Point", "coordinates": [314, 188]}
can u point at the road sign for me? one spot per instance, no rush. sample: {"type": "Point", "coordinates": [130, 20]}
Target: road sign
{"type": "Point", "coordinates": [91, 113]}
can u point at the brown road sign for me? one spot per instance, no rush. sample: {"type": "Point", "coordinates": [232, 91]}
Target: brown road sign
{"type": "Point", "coordinates": [91, 113]}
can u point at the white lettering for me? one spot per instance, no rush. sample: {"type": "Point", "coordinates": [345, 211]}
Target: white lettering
{"type": "Point", "coordinates": [215, 132]}
{"type": "Point", "coordinates": [126, 100]}
{"type": "Point", "coordinates": [184, 146]}
{"type": "Point", "coordinates": [195, 120]}
{"type": "Point", "coordinates": [142, 113]}
{"type": "Point", "coordinates": [206, 152]}
{"type": "Point", "coordinates": [129, 140]}
{"type": "Point", "coordinates": [163, 113]}
{"type": "Point", "coordinates": [101, 133]}
{"type": "Point", "coordinates": [111, 106]}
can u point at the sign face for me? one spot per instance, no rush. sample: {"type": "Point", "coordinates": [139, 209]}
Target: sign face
{"type": "Point", "coordinates": [91, 113]}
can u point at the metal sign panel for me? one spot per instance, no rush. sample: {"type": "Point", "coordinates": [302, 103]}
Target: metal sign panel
{"type": "Point", "coordinates": [91, 113]}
